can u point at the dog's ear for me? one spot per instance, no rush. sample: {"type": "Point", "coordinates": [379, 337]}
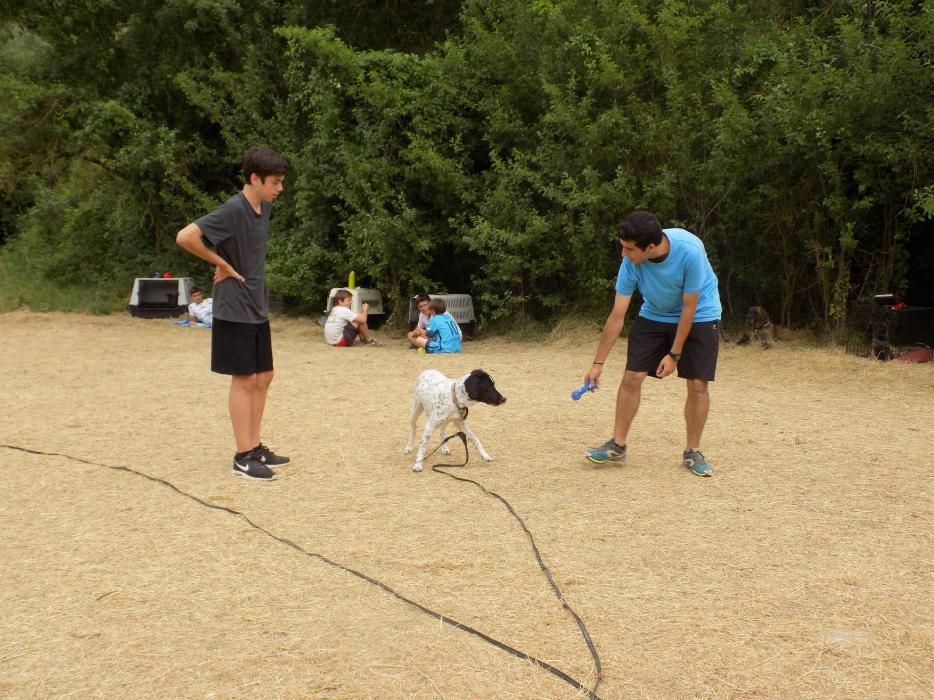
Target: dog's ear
{"type": "Point", "coordinates": [472, 383]}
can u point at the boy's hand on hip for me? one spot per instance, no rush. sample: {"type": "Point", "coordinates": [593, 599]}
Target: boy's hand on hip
{"type": "Point", "coordinates": [223, 271]}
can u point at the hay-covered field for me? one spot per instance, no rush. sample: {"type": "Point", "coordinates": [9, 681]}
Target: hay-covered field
{"type": "Point", "coordinates": [802, 569]}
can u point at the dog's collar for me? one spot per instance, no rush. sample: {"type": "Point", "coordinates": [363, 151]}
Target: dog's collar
{"type": "Point", "coordinates": [461, 409]}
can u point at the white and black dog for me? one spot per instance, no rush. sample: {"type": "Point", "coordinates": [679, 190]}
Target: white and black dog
{"type": "Point", "coordinates": [445, 401]}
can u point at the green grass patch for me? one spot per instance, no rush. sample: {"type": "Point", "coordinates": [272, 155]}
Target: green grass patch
{"type": "Point", "coordinates": [22, 287]}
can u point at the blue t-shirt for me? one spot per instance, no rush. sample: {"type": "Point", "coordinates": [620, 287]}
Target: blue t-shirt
{"type": "Point", "coordinates": [443, 333]}
{"type": "Point", "coordinates": [663, 285]}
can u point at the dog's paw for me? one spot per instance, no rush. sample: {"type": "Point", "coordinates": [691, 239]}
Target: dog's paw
{"type": "Point", "coordinates": [417, 467]}
{"type": "Point", "coordinates": [485, 457]}
{"type": "Point", "coordinates": [407, 450]}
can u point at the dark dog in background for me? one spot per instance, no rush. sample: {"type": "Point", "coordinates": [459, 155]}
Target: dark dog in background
{"type": "Point", "coordinates": [760, 329]}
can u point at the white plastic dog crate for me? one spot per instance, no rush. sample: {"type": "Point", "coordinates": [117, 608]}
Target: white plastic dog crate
{"type": "Point", "coordinates": [460, 306]}
{"type": "Point", "coordinates": [361, 296]}
{"type": "Point", "coordinates": [160, 297]}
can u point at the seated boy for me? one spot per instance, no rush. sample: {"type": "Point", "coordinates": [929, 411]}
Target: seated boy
{"type": "Point", "coordinates": [344, 326]}
{"type": "Point", "coordinates": [442, 334]}
{"type": "Point", "coordinates": [200, 310]}
{"type": "Point", "coordinates": [422, 301]}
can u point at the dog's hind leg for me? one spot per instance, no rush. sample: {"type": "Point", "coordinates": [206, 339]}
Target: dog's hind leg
{"type": "Point", "coordinates": [415, 412]}
{"type": "Point", "coordinates": [484, 455]}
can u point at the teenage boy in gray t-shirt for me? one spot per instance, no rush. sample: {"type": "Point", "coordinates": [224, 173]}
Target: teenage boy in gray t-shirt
{"type": "Point", "coordinates": [241, 345]}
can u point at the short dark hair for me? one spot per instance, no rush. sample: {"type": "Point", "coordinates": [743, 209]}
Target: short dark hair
{"type": "Point", "coordinates": [343, 294]}
{"type": "Point", "coordinates": [438, 306]}
{"type": "Point", "coordinates": [263, 162]}
{"type": "Point", "coordinates": [419, 298]}
{"type": "Point", "coordinates": [196, 290]}
{"type": "Point", "coordinates": [641, 228]}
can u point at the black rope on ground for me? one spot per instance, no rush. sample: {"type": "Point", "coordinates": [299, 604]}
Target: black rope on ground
{"type": "Point", "coordinates": [314, 555]}
{"type": "Point", "coordinates": [541, 563]}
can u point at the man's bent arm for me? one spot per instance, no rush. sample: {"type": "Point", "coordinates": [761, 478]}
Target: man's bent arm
{"type": "Point", "coordinates": [191, 239]}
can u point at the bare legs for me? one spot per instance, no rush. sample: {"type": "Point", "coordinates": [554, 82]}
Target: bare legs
{"type": "Point", "coordinates": [364, 331]}
{"type": "Point", "coordinates": [627, 404]}
{"type": "Point", "coordinates": [247, 401]}
{"type": "Point", "coordinates": [696, 408]}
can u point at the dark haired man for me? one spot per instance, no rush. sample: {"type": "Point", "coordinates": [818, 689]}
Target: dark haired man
{"type": "Point", "coordinates": [241, 345]}
{"type": "Point", "coordinates": [678, 327]}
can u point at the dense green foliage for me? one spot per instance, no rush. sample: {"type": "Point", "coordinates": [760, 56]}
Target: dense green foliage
{"type": "Point", "coordinates": [486, 146]}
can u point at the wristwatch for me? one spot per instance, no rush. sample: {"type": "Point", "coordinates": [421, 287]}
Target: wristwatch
{"type": "Point", "coordinates": [675, 356]}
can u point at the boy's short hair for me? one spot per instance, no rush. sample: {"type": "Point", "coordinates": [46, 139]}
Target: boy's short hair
{"type": "Point", "coordinates": [419, 298]}
{"type": "Point", "coordinates": [343, 294]}
{"type": "Point", "coordinates": [263, 162]}
{"type": "Point", "coordinates": [641, 228]}
{"type": "Point", "coordinates": [438, 306]}
{"type": "Point", "coordinates": [196, 290]}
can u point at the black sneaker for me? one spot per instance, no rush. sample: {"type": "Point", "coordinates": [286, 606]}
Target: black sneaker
{"type": "Point", "coordinates": [268, 457]}
{"type": "Point", "coordinates": [252, 468]}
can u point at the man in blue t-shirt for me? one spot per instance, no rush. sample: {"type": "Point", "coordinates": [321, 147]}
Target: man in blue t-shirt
{"type": "Point", "coordinates": [678, 327]}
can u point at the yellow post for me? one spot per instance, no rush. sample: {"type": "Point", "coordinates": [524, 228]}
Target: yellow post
{"type": "Point", "coordinates": [352, 280]}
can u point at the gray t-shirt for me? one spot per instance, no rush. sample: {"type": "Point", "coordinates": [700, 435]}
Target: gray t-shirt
{"type": "Point", "coordinates": [239, 236]}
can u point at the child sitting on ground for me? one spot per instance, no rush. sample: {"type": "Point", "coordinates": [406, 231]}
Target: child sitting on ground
{"type": "Point", "coordinates": [344, 326]}
{"type": "Point", "coordinates": [422, 301]}
{"type": "Point", "coordinates": [200, 310]}
{"type": "Point", "coordinates": [442, 334]}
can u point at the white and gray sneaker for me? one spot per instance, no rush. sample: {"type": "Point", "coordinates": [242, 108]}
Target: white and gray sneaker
{"type": "Point", "coordinates": [252, 468]}
{"type": "Point", "coordinates": [696, 462]}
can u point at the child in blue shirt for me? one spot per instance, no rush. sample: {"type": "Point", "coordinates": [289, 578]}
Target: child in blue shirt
{"type": "Point", "coordinates": [442, 334]}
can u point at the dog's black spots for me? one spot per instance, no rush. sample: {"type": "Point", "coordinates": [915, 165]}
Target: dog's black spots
{"type": "Point", "coordinates": [480, 387]}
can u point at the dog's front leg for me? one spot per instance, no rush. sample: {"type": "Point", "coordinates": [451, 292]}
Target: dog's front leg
{"type": "Point", "coordinates": [445, 450]}
{"type": "Point", "coordinates": [430, 426]}
{"type": "Point", "coordinates": [484, 455]}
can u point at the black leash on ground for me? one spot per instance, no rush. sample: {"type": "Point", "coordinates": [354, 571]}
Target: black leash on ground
{"type": "Point", "coordinates": [330, 562]}
{"type": "Point", "coordinates": [541, 563]}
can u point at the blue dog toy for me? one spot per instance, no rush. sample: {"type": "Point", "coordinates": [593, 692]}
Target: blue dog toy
{"type": "Point", "coordinates": [577, 393]}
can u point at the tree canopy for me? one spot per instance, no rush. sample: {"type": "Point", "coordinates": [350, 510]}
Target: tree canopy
{"type": "Point", "coordinates": [488, 147]}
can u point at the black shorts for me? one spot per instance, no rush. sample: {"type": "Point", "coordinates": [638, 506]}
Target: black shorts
{"type": "Point", "coordinates": [650, 341]}
{"type": "Point", "coordinates": [240, 348]}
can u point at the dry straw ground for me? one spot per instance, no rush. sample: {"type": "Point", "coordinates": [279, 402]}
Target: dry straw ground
{"type": "Point", "coordinates": [802, 569]}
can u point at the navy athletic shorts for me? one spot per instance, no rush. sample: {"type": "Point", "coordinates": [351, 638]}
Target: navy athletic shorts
{"type": "Point", "coordinates": [240, 348]}
{"type": "Point", "coordinates": [650, 341]}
